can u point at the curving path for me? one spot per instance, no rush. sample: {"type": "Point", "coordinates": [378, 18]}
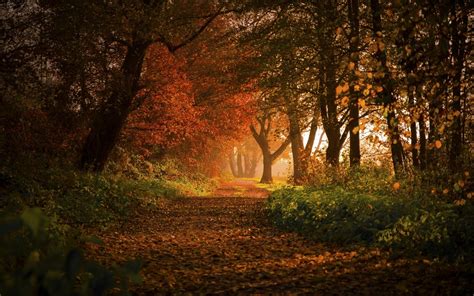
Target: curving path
{"type": "Point", "coordinates": [224, 245]}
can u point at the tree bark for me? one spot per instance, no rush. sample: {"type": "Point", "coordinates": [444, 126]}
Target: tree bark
{"type": "Point", "coordinates": [396, 147]}
{"type": "Point", "coordinates": [297, 148]}
{"type": "Point", "coordinates": [267, 168]}
{"type": "Point", "coordinates": [458, 51]}
{"type": "Point", "coordinates": [354, 138]}
{"type": "Point", "coordinates": [413, 131]}
{"type": "Point", "coordinates": [110, 120]}
{"type": "Point", "coordinates": [423, 156]}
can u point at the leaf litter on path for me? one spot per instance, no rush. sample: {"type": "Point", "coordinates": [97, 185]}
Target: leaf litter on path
{"type": "Point", "coordinates": [224, 244]}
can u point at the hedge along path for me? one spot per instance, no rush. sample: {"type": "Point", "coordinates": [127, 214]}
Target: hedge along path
{"type": "Point", "coordinates": [224, 244]}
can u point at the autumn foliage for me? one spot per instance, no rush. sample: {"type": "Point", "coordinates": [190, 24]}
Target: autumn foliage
{"type": "Point", "coordinates": [172, 120]}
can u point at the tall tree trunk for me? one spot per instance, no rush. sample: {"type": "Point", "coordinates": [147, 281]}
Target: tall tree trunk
{"type": "Point", "coordinates": [458, 51]}
{"type": "Point", "coordinates": [396, 147]}
{"type": "Point", "coordinates": [413, 132]}
{"type": "Point", "coordinates": [330, 122]}
{"type": "Point", "coordinates": [354, 140]}
{"type": "Point", "coordinates": [297, 146]}
{"type": "Point", "coordinates": [423, 156]}
{"type": "Point", "coordinates": [110, 120]}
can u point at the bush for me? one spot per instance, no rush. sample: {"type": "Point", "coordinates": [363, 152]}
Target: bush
{"type": "Point", "coordinates": [415, 225]}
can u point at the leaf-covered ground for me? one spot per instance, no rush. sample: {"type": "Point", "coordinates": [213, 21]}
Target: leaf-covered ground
{"type": "Point", "coordinates": [225, 245]}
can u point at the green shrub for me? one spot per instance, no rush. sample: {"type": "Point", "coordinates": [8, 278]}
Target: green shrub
{"type": "Point", "coordinates": [415, 225]}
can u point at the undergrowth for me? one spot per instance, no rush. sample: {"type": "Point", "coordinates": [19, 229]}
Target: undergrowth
{"type": "Point", "coordinates": [46, 205]}
{"type": "Point", "coordinates": [369, 207]}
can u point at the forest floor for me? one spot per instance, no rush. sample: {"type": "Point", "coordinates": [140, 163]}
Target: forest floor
{"type": "Point", "coordinates": [224, 244]}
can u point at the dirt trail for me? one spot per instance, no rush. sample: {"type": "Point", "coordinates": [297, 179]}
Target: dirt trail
{"type": "Point", "coordinates": [224, 245]}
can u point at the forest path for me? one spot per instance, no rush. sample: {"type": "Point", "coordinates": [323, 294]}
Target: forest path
{"type": "Point", "coordinates": [225, 245]}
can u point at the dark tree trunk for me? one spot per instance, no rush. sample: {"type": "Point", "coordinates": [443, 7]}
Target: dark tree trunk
{"type": "Point", "coordinates": [110, 120]}
{"type": "Point", "coordinates": [330, 122]}
{"type": "Point", "coordinates": [413, 132]}
{"type": "Point", "coordinates": [354, 140]}
{"type": "Point", "coordinates": [396, 147]}
{"type": "Point", "coordinates": [327, 79]}
{"type": "Point", "coordinates": [267, 168]}
{"type": "Point", "coordinates": [423, 156]}
{"type": "Point", "coordinates": [308, 149]}
{"type": "Point", "coordinates": [458, 51]}
{"type": "Point", "coordinates": [297, 148]}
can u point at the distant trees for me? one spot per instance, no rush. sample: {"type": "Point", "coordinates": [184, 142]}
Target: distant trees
{"type": "Point", "coordinates": [244, 159]}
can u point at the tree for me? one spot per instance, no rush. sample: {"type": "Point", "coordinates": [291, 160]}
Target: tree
{"type": "Point", "coordinates": [386, 96]}
{"type": "Point", "coordinates": [354, 43]}
{"type": "Point", "coordinates": [264, 135]}
{"type": "Point", "coordinates": [146, 26]}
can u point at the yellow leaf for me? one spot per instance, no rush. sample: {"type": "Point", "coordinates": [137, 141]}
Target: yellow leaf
{"type": "Point", "coordinates": [379, 89]}
{"type": "Point", "coordinates": [438, 144]}
{"type": "Point", "coordinates": [351, 66]}
{"type": "Point", "coordinates": [446, 191]}
{"type": "Point", "coordinates": [361, 103]}
{"type": "Point", "coordinates": [356, 87]}
{"type": "Point", "coordinates": [370, 75]}
{"type": "Point", "coordinates": [355, 130]}
{"type": "Point", "coordinates": [338, 90]}
{"type": "Point", "coordinates": [396, 186]}
{"type": "Point", "coordinates": [366, 92]}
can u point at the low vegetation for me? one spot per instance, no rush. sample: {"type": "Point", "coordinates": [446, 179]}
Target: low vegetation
{"type": "Point", "coordinates": [369, 208]}
{"type": "Point", "coordinates": [47, 210]}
